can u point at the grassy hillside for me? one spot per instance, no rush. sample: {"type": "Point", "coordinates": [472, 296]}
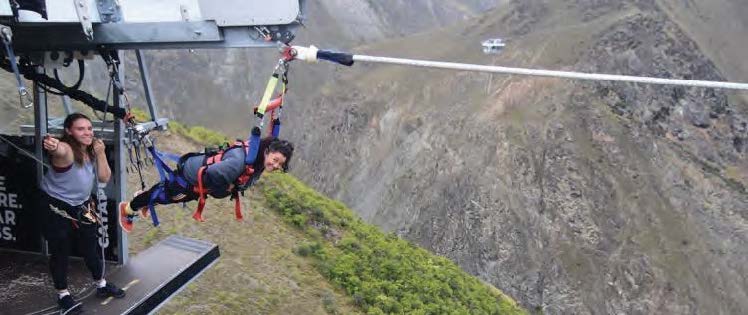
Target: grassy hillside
{"type": "Point", "coordinates": [301, 253]}
{"type": "Point", "coordinates": [383, 273]}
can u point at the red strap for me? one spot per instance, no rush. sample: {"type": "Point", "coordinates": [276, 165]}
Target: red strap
{"type": "Point", "coordinates": [214, 159]}
{"type": "Point", "coordinates": [201, 191]}
{"type": "Point", "coordinates": [273, 104]}
{"type": "Point", "coordinates": [198, 215]}
{"type": "Point", "coordinates": [129, 117]}
{"type": "Point", "coordinates": [287, 53]}
{"type": "Point", "coordinates": [237, 207]}
{"type": "Point", "coordinates": [270, 125]}
{"type": "Point", "coordinates": [244, 177]}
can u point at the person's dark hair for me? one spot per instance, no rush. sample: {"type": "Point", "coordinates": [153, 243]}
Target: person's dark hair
{"type": "Point", "coordinates": [78, 149]}
{"type": "Point", "coordinates": [284, 147]}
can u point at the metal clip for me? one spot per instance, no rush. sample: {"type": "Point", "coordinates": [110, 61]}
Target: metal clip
{"type": "Point", "coordinates": [265, 33]}
{"type": "Point", "coordinates": [24, 97]}
{"type": "Point", "coordinates": [281, 68]}
{"type": "Point", "coordinates": [7, 34]}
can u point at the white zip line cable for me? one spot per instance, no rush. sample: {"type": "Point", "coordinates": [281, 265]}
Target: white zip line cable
{"type": "Point", "coordinates": [312, 54]}
{"type": "Point", "coordinates": [550, 73]}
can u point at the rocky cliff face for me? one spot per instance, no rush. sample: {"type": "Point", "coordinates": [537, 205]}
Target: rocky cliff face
{"type": "Point", "coordinates": [573, 197]}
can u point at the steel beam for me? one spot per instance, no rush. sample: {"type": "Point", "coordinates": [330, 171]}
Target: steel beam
{"type": "Point", "coordinates": [120, 173]}
{"type": "Point", "coordinates": [145, 78]}
{"type": "Point", "coordinates": [40, 124]}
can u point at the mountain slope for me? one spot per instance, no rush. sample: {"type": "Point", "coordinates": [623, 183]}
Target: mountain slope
{"type": "Point", "coordinates": [574, 197]}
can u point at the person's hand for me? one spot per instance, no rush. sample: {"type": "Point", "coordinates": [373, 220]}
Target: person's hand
{"type": "Point", "coordinates": [98, 146]}
{"type": "Point", "coordinates": [50, 143]}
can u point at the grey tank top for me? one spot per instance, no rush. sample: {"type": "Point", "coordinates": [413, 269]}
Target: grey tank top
{"type": "Point", "coordinates": [73, 186]}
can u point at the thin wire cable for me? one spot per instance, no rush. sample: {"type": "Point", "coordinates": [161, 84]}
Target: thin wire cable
{"type": "Point", "coordinates": [550, 73]}
{"type": "Point", "coordinates": [27, 153]}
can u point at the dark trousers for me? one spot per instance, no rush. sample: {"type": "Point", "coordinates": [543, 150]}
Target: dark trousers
{"type": "Point", "coordinates": [61, 233]}
{"type": "Point", "coordinates": [173, 193]}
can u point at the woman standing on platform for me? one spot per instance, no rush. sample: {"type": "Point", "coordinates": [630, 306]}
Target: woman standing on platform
{"type": "Point", "coordinates": [67, 206]}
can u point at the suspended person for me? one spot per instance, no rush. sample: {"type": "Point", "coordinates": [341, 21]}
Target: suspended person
{"type": "Point", "coordinates": [220, 175]}
{"type": "Point", "coordinates": [67, 203]}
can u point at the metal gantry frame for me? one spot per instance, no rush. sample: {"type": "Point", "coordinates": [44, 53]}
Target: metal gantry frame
{"type": "Point", "coordinates": [106, 25]}
{"type": "Point", "coordinates": [40, 129]}
{"type": "Point", "coordinates": [120, 174]}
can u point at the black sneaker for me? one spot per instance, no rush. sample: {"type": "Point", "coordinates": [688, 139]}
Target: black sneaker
{"type": "Point", "coordinates": [69, 306]}
{"type": "Point", "coordinates": [110, 290]}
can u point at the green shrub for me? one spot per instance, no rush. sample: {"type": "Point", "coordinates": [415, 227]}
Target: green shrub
{"type": "Point", "coordinates": [383, 273]}
{"type": "Point", "coordinates": [329, 303]}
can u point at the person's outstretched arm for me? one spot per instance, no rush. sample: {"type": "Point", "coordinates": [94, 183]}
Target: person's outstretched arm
{"type": "Point", "coordinates": [60, 152]}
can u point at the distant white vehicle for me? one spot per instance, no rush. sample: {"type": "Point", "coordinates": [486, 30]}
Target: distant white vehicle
{"type": "Point", "coordinates": [493, 45]}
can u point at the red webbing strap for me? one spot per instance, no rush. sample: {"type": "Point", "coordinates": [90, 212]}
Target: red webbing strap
{"type": "Point", "coordinates": [215, 158]}
{"type": "Point", "coordinates": [237, 206]}
{"type": "Point", "coordinates": [242, 180]}
{"type": "Point", "coordinates": [198, 215]}
{"type": "Point", "coordinates": [272, 104]}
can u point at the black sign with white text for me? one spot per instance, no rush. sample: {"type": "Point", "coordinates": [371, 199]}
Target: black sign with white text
{"type": "Point", "coordinates": [20, 218]}
{"type": "Point", "coordinates": [19, 221]}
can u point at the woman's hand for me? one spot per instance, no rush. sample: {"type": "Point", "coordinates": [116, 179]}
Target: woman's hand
{"type": "Point", "coordinates": [50, 143]}
{"type": "Point", "coordinates": [101, 162]}
{"type": "Point", "coordinates": [59, 152]}
{"type": "Point", "coordinates": [98, 147]}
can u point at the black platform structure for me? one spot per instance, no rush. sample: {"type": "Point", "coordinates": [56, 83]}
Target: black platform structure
{"type": "Point", "coordinates": [149, 279]}
{"type": "Point", "coordinates": [53, 34]}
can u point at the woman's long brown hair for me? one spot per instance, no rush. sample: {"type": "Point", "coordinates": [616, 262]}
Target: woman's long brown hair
{"type": "Point", "coordinates": [78, 150]}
